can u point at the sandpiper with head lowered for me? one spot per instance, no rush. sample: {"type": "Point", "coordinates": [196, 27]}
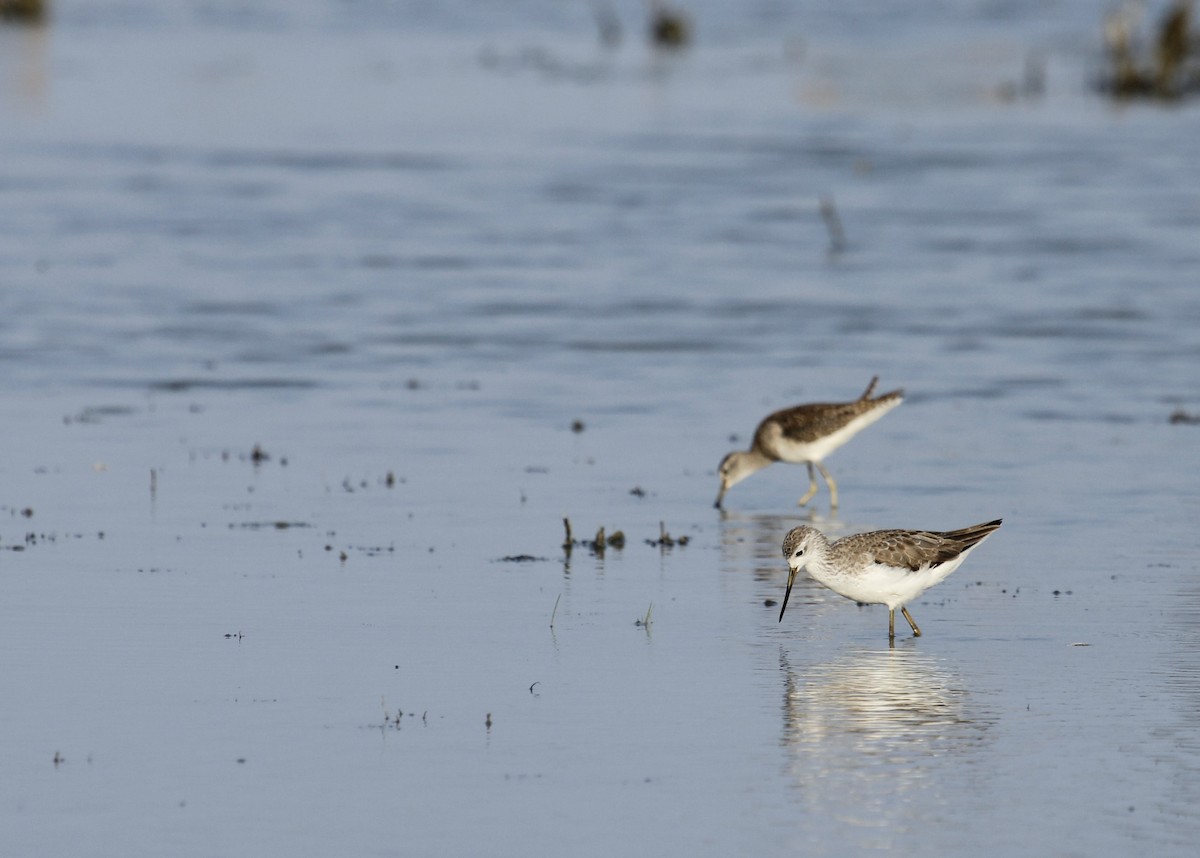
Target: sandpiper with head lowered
{"type": "Point", "coordinates": [806, 433]}
{"type": "Point", "coordinates": [885, 567]}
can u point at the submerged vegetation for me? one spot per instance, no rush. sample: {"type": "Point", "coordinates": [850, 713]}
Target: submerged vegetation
{"type": "Point", "coordinates": [597, 546]}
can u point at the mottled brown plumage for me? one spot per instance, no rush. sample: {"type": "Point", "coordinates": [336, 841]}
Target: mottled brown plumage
{"type": "Point", "coordinates": [806, 434]}
{"type": "Point", "coordinates": [913, 549]}
{"type": "Point", "coordinates": [812, 422]}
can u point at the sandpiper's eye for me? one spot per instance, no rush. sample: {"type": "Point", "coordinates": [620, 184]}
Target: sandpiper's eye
{"type": "Point", "coordinates": [799, 551]}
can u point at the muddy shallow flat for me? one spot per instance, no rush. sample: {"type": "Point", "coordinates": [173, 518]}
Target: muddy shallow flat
{"type": "Point", "coordinates": [406, 302]}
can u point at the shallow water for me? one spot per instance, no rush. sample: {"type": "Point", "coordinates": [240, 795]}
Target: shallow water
{"type": "Point", "coordinates": [420, 242]}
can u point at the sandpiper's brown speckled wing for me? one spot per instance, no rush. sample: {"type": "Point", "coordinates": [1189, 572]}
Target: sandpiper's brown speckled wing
{"type": "Point", "coordinates": [808, 423]}
{"type": "Point", "coordinates": [913, 549]}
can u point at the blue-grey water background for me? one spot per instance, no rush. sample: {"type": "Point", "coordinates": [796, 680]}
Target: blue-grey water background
{"type": "Point", "coordinates": [403, 246]}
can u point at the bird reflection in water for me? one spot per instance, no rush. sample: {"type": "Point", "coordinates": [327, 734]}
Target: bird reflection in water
{"type": "Point", "coordinates": [858, 728]}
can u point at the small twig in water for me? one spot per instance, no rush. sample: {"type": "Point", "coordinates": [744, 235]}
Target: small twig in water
{"type": "Point", "coordinates": [644, 622]}
{"type": "Point", "coordinates": [837, 236]}
{"type": "Point", "coordinates": [555, 611]}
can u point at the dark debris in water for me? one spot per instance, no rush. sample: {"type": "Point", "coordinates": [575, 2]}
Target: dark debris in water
{"type": "Point", "coordinates": [598, 545]}
{"type": "Point", "coordinates": [366, 550]}
{"type": "Point", "coordinates": [269, 525]}
{"type": "Point", "coordinates": [257, 456]}
{"type": "Point", "coordinates": [1179, 416]}
{"type": "Point", "coordinates": [183, 385]}
{"type": "Point", "coordinates": [350, 485]}
{"type": "Point", "coordinates": [669, 28]}
{"type": "Point", "coordinates": [97, 413]}
{"type": "Point", "coordinates": [395, 720]}
{"type": "Point", "coordinates": [665, 540]}
{"type": "Point", "coordinates": [31, 539]}
{"type": "Point", "coordinates": [616, 539]}
{"type": "Point", "coordinates": [371, 550]}
{"type": "Point", "coordinates": [521, 558]}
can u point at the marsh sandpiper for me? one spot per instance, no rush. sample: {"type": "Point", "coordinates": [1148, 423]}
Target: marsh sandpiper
{"type": "Point", "coordinates": [806, 433]}
{"type": "Point", "coordinates": [885, 567]}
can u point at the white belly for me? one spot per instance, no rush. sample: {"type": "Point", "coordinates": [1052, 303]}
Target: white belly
{"type": "Point", "coordinates": [879, 584]}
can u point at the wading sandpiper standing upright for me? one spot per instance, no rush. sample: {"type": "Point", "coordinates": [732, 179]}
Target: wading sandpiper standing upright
{"type": "Point", "coordinates": [886, 567]}
{"type": "Point", "coordinates": [806, 433]}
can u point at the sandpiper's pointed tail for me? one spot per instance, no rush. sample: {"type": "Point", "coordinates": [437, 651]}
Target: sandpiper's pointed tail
{"type": "Point", "coordinates": [897, 394]}
{"type": "Point", "coordinates": [973, 535]}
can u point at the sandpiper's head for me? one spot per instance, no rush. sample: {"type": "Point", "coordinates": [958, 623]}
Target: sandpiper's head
{"type": "Point", "coordinates": [797, 546]}
{"type": "Point", "coordinates": [733, 469]}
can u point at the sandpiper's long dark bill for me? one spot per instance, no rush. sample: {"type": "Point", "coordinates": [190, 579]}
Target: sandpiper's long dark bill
{"type": "Point", "coordinates": [885, 567]}
{"type": "Point", "coordinates": [806, 434]}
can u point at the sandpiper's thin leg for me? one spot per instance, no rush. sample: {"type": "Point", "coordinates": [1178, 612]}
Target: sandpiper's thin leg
{"type": "Point", "coordinates": [832, 485]}
{"type": "Point", "coordinates": [908, 616]}
{"type": "Point", "coordinates": [891, 625]}
{"type": "Point", "coordinates": [812, 487]}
